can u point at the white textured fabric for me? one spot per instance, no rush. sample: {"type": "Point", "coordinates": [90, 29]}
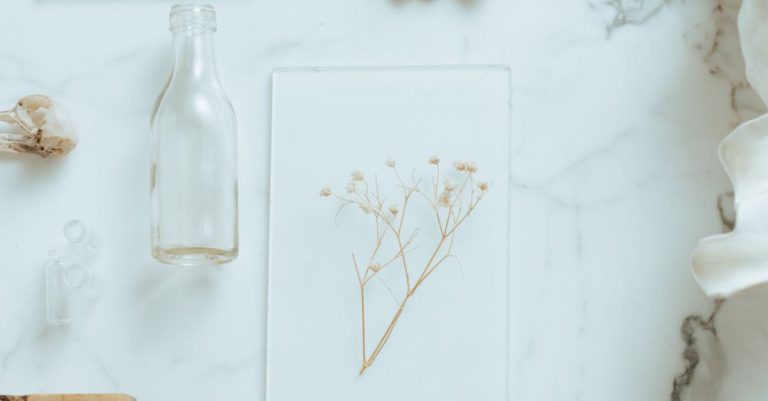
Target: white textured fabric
{"type": "Point", "coordinates": [728, 263]}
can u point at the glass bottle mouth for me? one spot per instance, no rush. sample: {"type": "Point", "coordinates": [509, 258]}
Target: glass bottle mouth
{"type": "Point", "coordinates": [192, 18]}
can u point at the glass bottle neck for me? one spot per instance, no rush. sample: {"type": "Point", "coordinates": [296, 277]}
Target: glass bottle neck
{"type": "Point", "coordinates": [195, 58]}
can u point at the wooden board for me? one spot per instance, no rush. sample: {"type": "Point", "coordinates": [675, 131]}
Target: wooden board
{"type": "Point", "coordinates": [67, 397]}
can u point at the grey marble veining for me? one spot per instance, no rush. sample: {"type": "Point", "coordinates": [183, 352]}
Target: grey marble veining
{"type": "Point", "coordinates": [619, 106]}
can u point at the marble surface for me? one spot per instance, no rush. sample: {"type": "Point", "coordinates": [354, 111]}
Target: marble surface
{"type": "Point", "coordinates": [618, 109]}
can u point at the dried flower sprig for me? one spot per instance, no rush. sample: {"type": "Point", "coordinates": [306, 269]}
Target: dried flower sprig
{"type": "Point", "coordinates": [40, 128]}
{"type": "Point", "coordinates": [451, 205]}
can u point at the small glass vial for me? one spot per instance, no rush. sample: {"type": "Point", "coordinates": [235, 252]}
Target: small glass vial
{"type": "Point", "coordinates": [194, 157]}
{"type": "Point", "coordinates": [70, 276]}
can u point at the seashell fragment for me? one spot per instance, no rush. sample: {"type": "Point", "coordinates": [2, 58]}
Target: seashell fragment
{"type": "Point", "coordinates": [38, 126]}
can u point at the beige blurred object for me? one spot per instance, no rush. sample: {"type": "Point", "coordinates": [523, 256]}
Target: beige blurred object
{"type": "Point", "coordinates": [37, 125]}
{"type": "Point", "coordinates": [68, 397]}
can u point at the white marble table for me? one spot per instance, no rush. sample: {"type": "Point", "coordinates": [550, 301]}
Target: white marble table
{"type": "Point", "coordinates": [619, 106]}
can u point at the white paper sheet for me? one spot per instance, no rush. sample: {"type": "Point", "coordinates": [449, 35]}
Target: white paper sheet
{"type": "Point", "coordinates": [451, 340]}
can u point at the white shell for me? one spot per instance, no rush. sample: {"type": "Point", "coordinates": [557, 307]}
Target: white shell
{"type": "Point", "coordinates": [728, 263]}
{"type": "Point", "coordinates": [38, 126]}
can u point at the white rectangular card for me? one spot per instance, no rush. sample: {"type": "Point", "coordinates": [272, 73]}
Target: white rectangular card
{"type": "Point", "coordinates": [449, 342]}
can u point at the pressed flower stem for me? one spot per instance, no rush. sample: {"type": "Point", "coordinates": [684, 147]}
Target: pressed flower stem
{"type": "Point", "coordinates": [411, 291]}
{"type": "Point", "coordinates": [362, 303]}
{"type": "Point", "coordinates": [432, 264]}
{"type": "Point", "coordinates": [371, 202]}
{"type": "Point", "coordinates": [367, 363]}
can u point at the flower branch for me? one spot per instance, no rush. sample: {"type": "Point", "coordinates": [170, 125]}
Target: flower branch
{"type": "Point", "coordinates": [446, 202]}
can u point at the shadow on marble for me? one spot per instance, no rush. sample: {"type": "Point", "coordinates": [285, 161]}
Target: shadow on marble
{"type": "Point", "coordinates": [171, 302]}
{"type": "Point", "coordinates": [32, 169]}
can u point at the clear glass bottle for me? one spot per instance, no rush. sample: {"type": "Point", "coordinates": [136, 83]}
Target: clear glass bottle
{"type": "Point", "coordinates": [194, 160]}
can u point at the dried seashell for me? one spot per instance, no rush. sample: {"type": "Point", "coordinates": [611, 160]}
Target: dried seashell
{"type": "Point", "coordinates": [39, 126]}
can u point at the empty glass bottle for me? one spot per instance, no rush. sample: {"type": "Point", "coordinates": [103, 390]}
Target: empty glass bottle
{"type": "Point", "coordinates": [194, 160]}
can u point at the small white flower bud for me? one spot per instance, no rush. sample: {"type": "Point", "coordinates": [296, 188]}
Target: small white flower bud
{"type": "Point", "coordinates": [471, 167]}
{"type": "Point", "coordinates": [394, 210]}
{"type": "Point", "coordinates": [325, 192]}
{"type": "Point", "coordinates": [375, 267]}
{"type": "Point", "coordinates": [357, 175]}
{"type": "Point", "coordinates": [434, 160]}
{"type": "Point", "coordinates": [389, 163]}
{"type": "Point", "coordinates": [444, 200]}
{"type": "Point", "coordinates": [449, 185]}
{"type": "Point", "coordinates": [483, 186]}
{"type": "Point", "coordinates": [461, 166]}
